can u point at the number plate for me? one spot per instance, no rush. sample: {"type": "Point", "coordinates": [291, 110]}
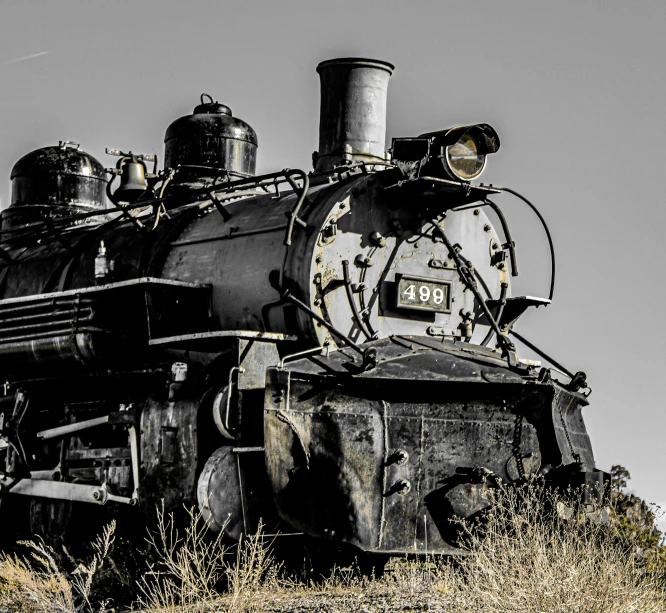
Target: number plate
{"type": "Point", "coordinates": [424, 294]}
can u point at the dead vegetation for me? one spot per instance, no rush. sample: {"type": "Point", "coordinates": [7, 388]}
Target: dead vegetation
{"type": "Point", "coordinates": [193, 569]}
{"type": "Point", "coordinates": [530, 555]}
{"type": "Point", "coordinates": [537, 554]}
{"type": "Point", "coordinates": [37, 582]}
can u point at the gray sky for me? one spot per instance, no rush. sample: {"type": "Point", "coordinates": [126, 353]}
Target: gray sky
{"type": "Point", "coordinates": [575, 89]}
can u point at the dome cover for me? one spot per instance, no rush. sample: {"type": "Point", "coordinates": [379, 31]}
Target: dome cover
{"type": "Point", "coordinates": [61, 175]}
{"type": "Point", "coordinates": [209, 145]}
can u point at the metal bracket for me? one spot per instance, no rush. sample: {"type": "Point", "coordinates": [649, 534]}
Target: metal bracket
{"type": "Point", "coordinates": [513, 309]}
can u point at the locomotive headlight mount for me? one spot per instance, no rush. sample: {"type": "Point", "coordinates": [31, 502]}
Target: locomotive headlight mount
{"type": "Point", "coordinates": [457, 153]}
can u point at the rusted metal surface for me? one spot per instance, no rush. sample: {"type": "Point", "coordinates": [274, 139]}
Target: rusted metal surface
{"type": "Point", "coordinates": [385, 459]}
{"type": "Point", "coordinates": [169, 453]}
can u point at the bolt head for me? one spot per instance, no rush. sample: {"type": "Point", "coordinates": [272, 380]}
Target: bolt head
{"type": "Point", "coordinates": [403, 486]}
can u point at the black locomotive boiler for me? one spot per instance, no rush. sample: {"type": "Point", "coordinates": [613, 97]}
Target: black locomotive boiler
{"type": "Point", "coordinates": [329, 352]}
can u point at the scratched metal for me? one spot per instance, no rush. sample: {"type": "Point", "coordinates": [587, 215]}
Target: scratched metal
{"type": "Point", "coordinates": [384, 460]}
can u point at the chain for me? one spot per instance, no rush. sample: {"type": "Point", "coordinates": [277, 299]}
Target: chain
{"type": "Point", "coordinates": [575, 455]}
{"type": "Point", "coordinates": [515, 445]}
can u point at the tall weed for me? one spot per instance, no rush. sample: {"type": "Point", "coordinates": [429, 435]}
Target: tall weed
{"type": "Point", "coordinates": [37, 583]}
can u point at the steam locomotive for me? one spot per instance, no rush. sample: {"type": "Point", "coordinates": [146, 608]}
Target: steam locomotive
{"type": "Point", "coordinates": [329, 353]}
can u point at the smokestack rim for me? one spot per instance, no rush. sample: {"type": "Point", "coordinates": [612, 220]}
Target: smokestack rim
{"type": "Point", "coordinates": [356, 61]}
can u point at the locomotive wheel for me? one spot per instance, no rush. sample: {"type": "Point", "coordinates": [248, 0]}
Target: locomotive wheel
{"type": "Point", "coordinates": [49, 519]}
{"type": "Point", "coordinates": [14, 514]}
{"type": "Point", "coordinates": [71, 526]}
{"type": "Point", "coordinates": [76, 525]}
{"type": "Point", "coordinates": [70, 529]}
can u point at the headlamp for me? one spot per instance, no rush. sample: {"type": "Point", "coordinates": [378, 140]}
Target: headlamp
{"type": "Point", "coordinates": [457, 153]}
{"type": "Point", "coordinates": [463, 158]}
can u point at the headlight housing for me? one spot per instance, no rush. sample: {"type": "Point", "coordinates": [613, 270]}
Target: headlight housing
{"type": "Point", "coordinates": [457, 153]}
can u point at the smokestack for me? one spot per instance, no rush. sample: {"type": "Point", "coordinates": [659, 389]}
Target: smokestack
{"type": "Point", "coordinates": [352, 121]}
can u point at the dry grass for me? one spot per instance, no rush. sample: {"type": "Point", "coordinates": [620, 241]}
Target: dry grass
{"type": "Point", "coordinates": [188, 567]}
{"type": "Point", "coordinates": [527, 559]}
{"type": "Point", "coordinates": [194, 570]}
{"type": "Point", "coordinates": [531, 559]}
{"type": "Point", "coordinates": [37, 583]}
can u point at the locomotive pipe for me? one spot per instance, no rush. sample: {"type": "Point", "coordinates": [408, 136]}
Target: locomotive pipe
{"type": "Point", "coordinates": [352, 301]}
{"type": "Point", "coordinates": [510, 244]}
{"type": "Point", "coordinates": [267, 179]}
{"type": "Point", "coordinates": [550, 238]}
{"type": "Point", "coordinates": [505, 343]}
{"type": "Point", "coordinates": [291, 298]}
{"type": "Point", "coordinates": [293, 217]}
{"type": "Point", "coordinates": [352, 121]}
{"type": "Point", "coordinates": [578, 380]}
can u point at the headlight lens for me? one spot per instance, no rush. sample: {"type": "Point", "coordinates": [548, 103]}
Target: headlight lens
{"type": "Point", "coordinates": [464, 159]}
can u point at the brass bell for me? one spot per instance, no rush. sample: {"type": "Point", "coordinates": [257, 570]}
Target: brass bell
{"type": "Point", "coordinates": [132, 180]}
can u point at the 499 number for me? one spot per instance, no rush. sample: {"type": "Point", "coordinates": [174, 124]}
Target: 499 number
{"type": "Point", "coordinates": [426, 294]}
